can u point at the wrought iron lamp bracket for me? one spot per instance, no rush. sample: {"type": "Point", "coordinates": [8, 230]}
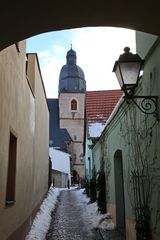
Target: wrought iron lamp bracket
{"type": "Point", "coordinates": [147, 104]}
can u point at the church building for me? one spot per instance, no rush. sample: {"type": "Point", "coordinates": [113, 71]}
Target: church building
{"type": "Point", "coordinates": [67, 115]}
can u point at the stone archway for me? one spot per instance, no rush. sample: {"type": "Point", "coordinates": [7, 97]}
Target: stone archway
{"type": "Point", "coordinates": [20, 21]}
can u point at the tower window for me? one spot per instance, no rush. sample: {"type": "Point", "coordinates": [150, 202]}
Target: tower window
{"type": "Point", "coordinates": [11, 175]}
{"type": "Point", "coordinates": [73, 105]}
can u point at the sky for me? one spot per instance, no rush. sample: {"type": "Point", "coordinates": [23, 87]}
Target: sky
{"type": "Point", "coordinates": [97, 50]}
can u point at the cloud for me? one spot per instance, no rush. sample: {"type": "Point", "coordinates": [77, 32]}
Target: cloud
{"type": "Point", "coordinates": [50, 68]}
{"type": "Point", "coordinates": [97, 49]}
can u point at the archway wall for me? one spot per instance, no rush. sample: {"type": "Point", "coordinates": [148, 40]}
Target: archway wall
{"type": "Point", "coordinates": [136, 135]}
{"type": "Point", "coordinates": [20, 21]}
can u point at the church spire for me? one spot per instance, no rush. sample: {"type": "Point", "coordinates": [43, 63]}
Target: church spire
{"type": "Point", "coordinates": [71, 56]}
{"type": "Point", "coordinates": [71, 78]}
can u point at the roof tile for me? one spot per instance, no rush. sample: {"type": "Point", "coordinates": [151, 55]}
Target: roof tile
{"type": "Point", "coordinates": [100, 104]}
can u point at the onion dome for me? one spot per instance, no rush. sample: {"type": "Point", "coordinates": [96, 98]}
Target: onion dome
{"type": "Point", "coordinates": [71, 78]}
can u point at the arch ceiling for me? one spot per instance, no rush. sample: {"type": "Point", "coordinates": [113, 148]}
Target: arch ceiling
{"type": "Point", "coordinates": [22, 19]}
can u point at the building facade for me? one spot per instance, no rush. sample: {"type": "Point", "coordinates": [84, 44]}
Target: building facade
{"type": "Point", "coordinates": [71, 114]}
{"type": "Point", "coordinates": [99, 106]}
{"type": "Point", "coordinates": [24, 138]}
{"type": "Point", "coordinates": [72, 89]}
{"type": "Point", "coordinates": [128, 150]}
{"type": "Point", "coordinates": [61, 173]}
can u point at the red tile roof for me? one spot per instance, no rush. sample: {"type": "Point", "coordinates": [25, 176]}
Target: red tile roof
{"type": "Point", "coordinates": [100, 104]}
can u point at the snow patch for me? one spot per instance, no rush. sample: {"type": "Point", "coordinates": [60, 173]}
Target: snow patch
{"type": "Point", "coordinates": [42, 220]}
{"type": "Point", "coordinates": [106, 222]}
{"type": "Point", "coordinates": [98, 220]}
{"type": "Point", "coordinates": [95, 129]}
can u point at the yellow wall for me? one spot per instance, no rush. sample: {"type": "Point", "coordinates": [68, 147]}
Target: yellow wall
{"type": "Point", "coordinates": [27, 115]}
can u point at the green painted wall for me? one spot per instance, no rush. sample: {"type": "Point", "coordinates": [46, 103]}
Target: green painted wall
{"type": "Point", "coordinates": [144, 41]}
{"type": "Point", "coordinates": [88, 159]}
{"type": "Point", "coordinates": [137, 136]}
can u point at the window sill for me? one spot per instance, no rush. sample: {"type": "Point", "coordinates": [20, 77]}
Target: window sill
{"type": "Point", "coordinates": [10, 203]}
{"type": "Point", "coordinates": [74, 111]}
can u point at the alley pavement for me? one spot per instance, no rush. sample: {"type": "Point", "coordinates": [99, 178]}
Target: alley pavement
{"type": "Point", "coordinates": [111, 235]}
{"type": "Point", "coordinates": [71, 222]}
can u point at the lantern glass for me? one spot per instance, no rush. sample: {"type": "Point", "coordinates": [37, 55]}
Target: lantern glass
{"type": "Point", "coordinates": [119, 75]}
{"type": "Point", "coordinates": [127, 70]}
{"type": "Point", "coordinates": [130, 73]}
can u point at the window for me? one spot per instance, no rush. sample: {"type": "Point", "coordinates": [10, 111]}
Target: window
{"type": "Point", "coordinates": [73, 105]}
{"type": "Point", "coordinates": [11, 175]}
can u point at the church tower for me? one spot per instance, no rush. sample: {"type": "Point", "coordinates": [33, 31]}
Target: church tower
{"type": "Point", "coordinates": [72, 89]}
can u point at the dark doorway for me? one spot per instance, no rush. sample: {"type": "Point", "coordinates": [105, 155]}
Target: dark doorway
{"type": "Point", "coordinates": [119, 191]}
{"type": "Point", "coordinates": [75, 177]}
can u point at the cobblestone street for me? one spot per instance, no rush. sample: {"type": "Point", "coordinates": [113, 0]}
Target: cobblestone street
{"type": "Point", "coordinates": [70, 220]}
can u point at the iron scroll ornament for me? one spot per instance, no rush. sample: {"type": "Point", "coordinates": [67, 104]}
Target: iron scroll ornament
{"type": "Point", "coordinates": [147, 104]}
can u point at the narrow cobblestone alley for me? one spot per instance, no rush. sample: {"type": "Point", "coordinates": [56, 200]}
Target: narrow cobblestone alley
{"type": "Point", "coordinates": [70, 220]}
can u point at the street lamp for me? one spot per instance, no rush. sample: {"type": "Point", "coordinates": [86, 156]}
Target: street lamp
{"type": "Point", "coordinates": [127, 69]}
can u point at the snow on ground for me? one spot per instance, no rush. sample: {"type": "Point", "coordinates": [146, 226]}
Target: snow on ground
{"type": "Point", "coordinates": [101, 221]}
{"type": "Point", "coordinates": [42, 220]}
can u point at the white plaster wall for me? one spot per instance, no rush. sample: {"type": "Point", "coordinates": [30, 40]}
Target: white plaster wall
{"type": "Point", "coordinates": [60, 160]}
